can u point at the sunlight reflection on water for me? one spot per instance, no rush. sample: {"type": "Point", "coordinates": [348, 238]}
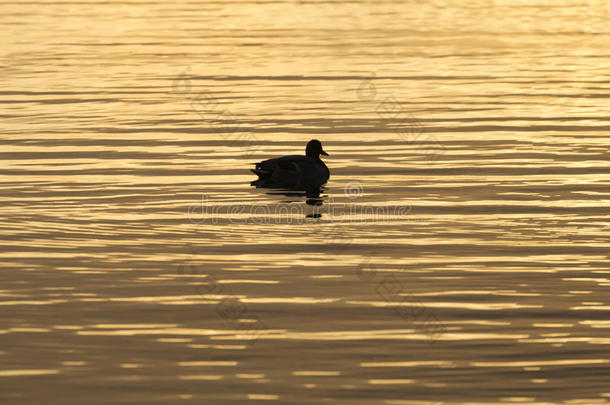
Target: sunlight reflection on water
{"type": "Point", "coordinates": [458, 253]}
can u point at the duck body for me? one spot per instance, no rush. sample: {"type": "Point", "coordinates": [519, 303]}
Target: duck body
{"type": "Point", "coordinates": [294, 171]}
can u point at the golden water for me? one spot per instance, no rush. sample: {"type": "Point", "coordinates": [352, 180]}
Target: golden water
{"type": "Point", "coordinates": [459, 253]}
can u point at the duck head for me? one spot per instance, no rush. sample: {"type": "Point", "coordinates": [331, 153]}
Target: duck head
{"type": "Point", "coordinates": [314, 149]}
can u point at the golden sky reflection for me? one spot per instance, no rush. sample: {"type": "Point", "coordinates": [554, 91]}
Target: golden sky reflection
{"type": "Point", "coordinates": [504, 239]}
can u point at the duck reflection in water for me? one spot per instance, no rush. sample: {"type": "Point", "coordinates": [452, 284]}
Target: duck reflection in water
{"type": "Point", "coordinates": [295, 175]}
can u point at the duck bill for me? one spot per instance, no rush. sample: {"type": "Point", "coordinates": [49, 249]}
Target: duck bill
{"type": "Point", "coordinates": [324, 153]}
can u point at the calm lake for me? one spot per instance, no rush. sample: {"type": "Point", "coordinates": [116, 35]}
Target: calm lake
{"type": "Point", "coordinates": [459, 253]}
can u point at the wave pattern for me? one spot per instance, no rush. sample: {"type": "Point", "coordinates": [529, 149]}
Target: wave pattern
{"type": "Point", "coordinates": [458, 254]}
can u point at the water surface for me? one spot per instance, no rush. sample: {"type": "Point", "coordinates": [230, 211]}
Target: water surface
{"type": "Point", "coordinates": [458, 254]}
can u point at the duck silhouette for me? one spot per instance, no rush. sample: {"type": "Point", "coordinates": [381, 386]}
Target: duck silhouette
{"type": "Point", "coordinates": [295, 171]}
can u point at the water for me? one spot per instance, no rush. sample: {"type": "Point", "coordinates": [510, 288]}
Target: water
{"type": "Point", "coordinates": [458, 254]}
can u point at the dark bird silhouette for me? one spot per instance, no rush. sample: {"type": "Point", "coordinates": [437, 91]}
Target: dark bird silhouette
{"type": "Point", "coordinates": [295, 171]}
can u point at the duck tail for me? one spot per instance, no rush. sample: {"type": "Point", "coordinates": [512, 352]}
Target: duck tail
{"type": "Point", "coordinates": [260, 173]}
{"type": "Point", "coordinates": [263, 176]}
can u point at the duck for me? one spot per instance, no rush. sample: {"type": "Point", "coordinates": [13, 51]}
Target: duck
{"type": "Point", "coordinates": [294, 171]}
